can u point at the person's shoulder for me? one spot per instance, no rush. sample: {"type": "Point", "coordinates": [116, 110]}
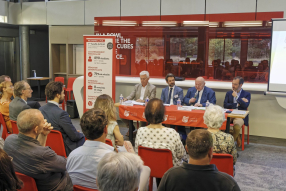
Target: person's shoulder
{"type": "Point", "coordinates": [245, 92]}
{"type": "Point", "coordinates": [226, 178]}
{"type": "Point", "coordinates": [229, 92]}
{"type": "Point", "coordinates": [152, 86]}
{"type": "Point", "coordinates": [192, 88]}
{"type": "Point", "coordinates": [175, 171]}
{"type": "Point", "coordinates": [209, 89]}
{"type": "Point", "coordinates": [178, 88]}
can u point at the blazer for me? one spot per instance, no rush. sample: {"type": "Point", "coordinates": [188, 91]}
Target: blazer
{"type": "Point", "coordinates": [208, 94]}
{"type": "Point", "coordinates": [61, 121]}
{"type": "Point", "coordinates": [178, 93]}
{"type": "Point", "coordinates": [228, 102]}
{"type": "Point", "coordinates": [16, 106]}
{"type": "Point", "coordinates": [150, 91]}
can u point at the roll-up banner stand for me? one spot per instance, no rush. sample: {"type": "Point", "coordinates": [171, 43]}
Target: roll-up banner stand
{"type": "Point", "coordinates": [99, 68]}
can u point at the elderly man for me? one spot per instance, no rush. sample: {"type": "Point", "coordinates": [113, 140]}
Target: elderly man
{"type": "Point", "coordinates": [140, 93]}
{"type": "Point", "coordinates": [198, 173]}
{"type": "Point", "coordinates": [119, 171]}
{"type": "Point", "coordinates": [32, 158]}
{"type": "Point", "coordinates": [239, 99]}
{"type": "Point", "coordinates": [22, 91]}
{"type": "Point", "coordinates": [200, 94]}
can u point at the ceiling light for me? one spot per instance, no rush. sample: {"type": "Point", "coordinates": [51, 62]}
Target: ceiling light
{"type": "Point", "coordinates": [119, 23]}
{"type": "Point", "coordinates": [243, 23]}
{"type": "Point", "coordinates": [159, 23]}
{"type": "Point", "coordinates": [196, 23]}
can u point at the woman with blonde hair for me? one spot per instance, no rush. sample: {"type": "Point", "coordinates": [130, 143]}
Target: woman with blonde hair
{"type": "Point", "coordinates": [6, 92]}
{"type": "Point", "coordinates": [106, 103]}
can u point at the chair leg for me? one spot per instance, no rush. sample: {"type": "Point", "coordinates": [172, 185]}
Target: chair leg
{"type": "Point", "coordinates": [242, 138]}
{"type": "Point", "coordinates": [151, 183]}
{"type": "Point", "coordinates": [248, 134]}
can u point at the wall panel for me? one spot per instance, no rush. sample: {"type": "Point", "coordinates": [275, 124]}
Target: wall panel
{"type": "Point", "coordinates": [183, 7]}
{"type": "Point", "coordinates": [275, 5]}
{"type": "Point", "coordinates": [140, 8]}
{"type": "Point", "coordinates": [15, 14]}
{"type": "Point", "coordinates": [230, 6]}
{"type": "Point", "coordinates": [34, 13]}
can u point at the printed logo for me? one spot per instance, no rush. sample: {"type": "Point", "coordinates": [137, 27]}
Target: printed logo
{"type": "Point", "coordinates": [90, 87]}
{"type": "Point", "coordinates": [126, 113]}
{"type": "Point", "coordinates": [172, 118]}
{"type": "Point", "coordinates": [185, 119]}
{"type": "Point", "coordinates": [90, 74]}
{"type": "Point", "coordinates": [109, 45]}
{"type": "Point", "coordinates": [193, 120]}
{"type": "Point", "coordinates": [90, 103]}
{"type": "Point", "coordinates": [166, 117]}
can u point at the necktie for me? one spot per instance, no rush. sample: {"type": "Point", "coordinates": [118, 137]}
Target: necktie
{"type": "Point", "coordinates": [198, 96]}
{"type": "Point", "coordinates": [170, 94]}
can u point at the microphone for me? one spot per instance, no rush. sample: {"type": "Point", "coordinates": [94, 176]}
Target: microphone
{"type": "Point", "coordinates": [196, 94]}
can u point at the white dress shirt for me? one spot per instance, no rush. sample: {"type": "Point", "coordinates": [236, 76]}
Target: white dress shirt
{"type": "Point", "coordinates": [142, 92]}
{"type": "Point", "coordinates": [200, 95]}
{"type": "Point", "coordinates": [171, 100]}
{"type": "Point", "coordinates": [56, 103]}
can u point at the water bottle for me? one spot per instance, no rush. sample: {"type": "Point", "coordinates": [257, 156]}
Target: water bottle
{"type": "Point", "coordinates": [146, 101]}
{"type": "Point", "coordinates": [121, 99]}
{"type": "Point", "coordinates": [208, 103]}
{"type": "Point", "coordinates": [179, 103]}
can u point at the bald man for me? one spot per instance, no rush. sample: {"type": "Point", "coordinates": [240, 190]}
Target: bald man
{"type": "Point", "coordinates": [200, 94]}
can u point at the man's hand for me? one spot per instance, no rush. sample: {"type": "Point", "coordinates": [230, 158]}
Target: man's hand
{"type": "Point", "coordinates": [124, 99]}
{"type": "Point", "coordinates": [140, 100]}
{"type": "Point", "coordinates": [198, 105]}
{"type": "Point", "coordinates": [192, 100]}
{"type": "Point", "coordinates": [244, 99]}
{"type": "Point", "coordinates": [47, 128]}
{"type": "Point", "coordinates": [234, 93]}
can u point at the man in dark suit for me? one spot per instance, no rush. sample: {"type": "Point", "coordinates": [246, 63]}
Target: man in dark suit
{"type": "Point", "coordinates": [239, 99]}
{"type": "Point", "coordinates": [59, 118]}
{"type": "Point", "coordinates": [172, 93]}
{"type": "Point", "coordinates": [200, 94]}
{"type": "Point", "coordinates": [22, 91]}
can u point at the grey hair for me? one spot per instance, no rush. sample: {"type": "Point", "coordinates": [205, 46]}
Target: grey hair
{"type": "Point", "coordinates": [18, 87]}
{"type": "Point", "coordinates": [214, 116]}
{"type": "Point", "coordinates": [119, 172]}
{"type": "Point", "coordinates": [28, 119]}
{"type": "Point", "coordinates": [144, 73]}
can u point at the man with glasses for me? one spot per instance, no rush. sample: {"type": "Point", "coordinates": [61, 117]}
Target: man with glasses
{"type": "Point", "coordinates": [22, 92]}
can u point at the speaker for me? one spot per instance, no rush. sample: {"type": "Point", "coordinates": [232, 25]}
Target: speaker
{"type": "Point", "coordinates": [72, 109]}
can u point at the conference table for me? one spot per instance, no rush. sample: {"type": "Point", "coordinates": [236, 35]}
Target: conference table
{"type": "Point", "coordinates": [173, 116]}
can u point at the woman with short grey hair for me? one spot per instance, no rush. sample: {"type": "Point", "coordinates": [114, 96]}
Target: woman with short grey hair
{"type": "Point", "coordinates": [120, 172]}
{"type": "Point", "coordinates": [222, 142]}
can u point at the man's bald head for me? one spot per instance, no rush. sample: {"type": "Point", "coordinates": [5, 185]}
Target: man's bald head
{"type": "Point", "coordinates": [200, 83]}
{"type": "Point", "coordinates": [155, 111]}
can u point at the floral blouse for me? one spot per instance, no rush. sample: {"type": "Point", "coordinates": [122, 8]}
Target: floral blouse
{"type": "Point", "coordinates": [224, 143]}
{"type": "Point", "coordinates": [162, 138]}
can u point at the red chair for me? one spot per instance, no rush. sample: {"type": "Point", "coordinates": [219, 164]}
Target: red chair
{"type": "Point", "coordinates": [109, 142]}
{"type": "Point", "coordinates": [56, 142]}
{"type": "Point", "coordinates": [29, 182]}
{"type": "Point", "coordinates": [243, 136]}
{"type": "Point", "coordinates": [158, 167]}
{"type": "Point", "coordinates": [223, 162]}
{"type": "Point", "coordinates": [81, 188]}
{"type": "Point", "coordinates": [14, 127]}
{"type": "Point", "coordinates": [5, 131]}
{"type": "Point", "coordinates": [70, 87]}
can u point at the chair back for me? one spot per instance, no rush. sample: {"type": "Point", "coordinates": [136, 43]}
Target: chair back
{"type": "Point", "coordinates": [5, 131]}
{"type": "Point", "coordinates": [109, 142]}
{"type": "Point", "coordinates": [60, 79]}
{"type": "Point", "coordinates": [56, 142]}
{"type": "Point", "coordinates": [29, 182]}
{"type": "Point", "coordinates": [150, 157]}
{"type": "Point", "coordinates": [81, 188]}
{"type": "Point", "coordinates": [14, 127]}
{"type": "Point", "coordinates": [223, 162]}
{"type": "Point", "coordinates": [70, 83]}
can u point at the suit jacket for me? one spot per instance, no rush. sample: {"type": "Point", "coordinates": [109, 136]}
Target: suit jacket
{"type": "Point", "coordinates": [150, 91]}
{"type": "Point", "coordinates": [178, 93]}
{"type": "Point", "coordinates": [61, 121]}
{"type": "Point", "coordinates": [16, 106]}
{"type": "Point", "coordinates": [208, 94]}
{"type": "Point", "coordinates": [228, 102]}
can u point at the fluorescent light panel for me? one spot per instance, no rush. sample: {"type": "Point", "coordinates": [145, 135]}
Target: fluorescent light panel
{"type": "Point", "coordinates": [243, 23]}
{"type": "Point", "coordinates": [159, 23]}
{"type": "Point", "coordinates": [119, 23]}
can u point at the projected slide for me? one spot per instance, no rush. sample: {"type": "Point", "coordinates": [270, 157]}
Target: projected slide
{"type": "Point", "coordinates": [277, 78]}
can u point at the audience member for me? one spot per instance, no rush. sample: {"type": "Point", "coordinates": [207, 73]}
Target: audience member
{"type": "Point", "coordinates": [8, 179]}
{"type": "Point", "coordinates": [198, 173]}
{"type": "Point", "coordinates": [239, 99]}
{"type": "Point", "coordinates": [105, 103]}
{"type": "Point", "coordinates": [119, 171]}
{"type": "Point", "coordinates": [4, 78]}
{"type": "Point", "coordinates": [222, 142]}
{"type": "Point", "coordinates": [140, 93]}
{"type": "Point", "coordinates": [6, 92]}
{"type": "Point", "coordinates": [1, 143]}
{"type": "Point", "coordinates": [59, 118]}
{"type": "Point", "coordinates": [22, 92]}
{"type": "Point", "coordinates": [199, 94]}
{"type": "Point", "coordinates": [32, 158]}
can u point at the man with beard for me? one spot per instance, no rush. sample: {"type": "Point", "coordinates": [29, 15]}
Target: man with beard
{"type": "Point", "coordinates": [59, 118]}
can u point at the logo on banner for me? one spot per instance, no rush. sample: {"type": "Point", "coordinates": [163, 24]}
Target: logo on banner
{"type": "Point", "coordinates": [193, 120]}
{"type": "Point", "coordinates": [126, 113]}
{"type": "Point", "coordinates": [143, 115]}
{"type": "Point", "coordinates": [166, 117]}
{"type": "Point", "coordinates": [90, 87]}
{"type": "Point", "coordinates": [89, 59]}
{"type": "Point", "coordinates": [90, 74]}
{"type": "Point", "coordinates": [109, 45]}
{"type": "Point", "coordinates": [90, 103]}
{"type": "Point", "coordinates": [185, 119]}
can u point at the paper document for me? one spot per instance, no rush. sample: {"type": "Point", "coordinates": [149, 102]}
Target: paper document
{"type": "Point", "coordinates": [165, 104]}
{"type": "Point", "coordinates": [137, 103]}
{"type": "Point", "coordinates": [199, 108]}
{"type": "Point", "coordinates": [186, 108]}
{"type": "Point", "coordinates": [238, 112]}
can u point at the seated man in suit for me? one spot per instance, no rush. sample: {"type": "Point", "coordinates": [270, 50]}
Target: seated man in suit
{"type": "Point", "coordinates": [22, 92]}
{"type": "Point", "coordinates": [141, 92]}
{"type": "Point", "coordinates": [200, 94]}
{"type": "Point", "coordinates": [59, 118]}
{"type": "Point", "coordinates": [239, 99]}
